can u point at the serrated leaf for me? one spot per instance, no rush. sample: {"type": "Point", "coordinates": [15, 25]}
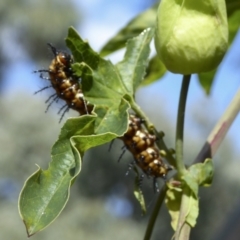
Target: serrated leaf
{"type": "Point", "coordinates": [142, 21]}
{"type": "Point", "coordinates": [155, 70]}
{"type": "Point", "coordinates": [100, 78]}
{"type": "Point", "coordinates": [133, 67]}
{"type": "Point", "coordinates": [101, 82]}
{"type": "Point", "coordinates": [81, 49]}
{"type": "Point", "coordinates": [104, 84]}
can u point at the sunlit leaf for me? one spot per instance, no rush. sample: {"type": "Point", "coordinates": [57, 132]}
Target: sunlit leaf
{"type": "Point", "coordinates": [101, 82]}
{"type": "Point", "coordinates": [173, 202]}
{"type": "Point", "coordinates": [193, 210]}
{"type": "Point", "coordinates": [192, 183]}
{"type": "Point", "coordinates": [133, 67]}
{"type": "Point", "coordinates": [203, 172]}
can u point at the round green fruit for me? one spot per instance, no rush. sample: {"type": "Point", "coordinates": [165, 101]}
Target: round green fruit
{"type": "Point", "coordinates": [191, 35]}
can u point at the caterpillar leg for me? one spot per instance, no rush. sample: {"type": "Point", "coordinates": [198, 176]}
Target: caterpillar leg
{"type": "Point", "coordinates": [130, 166]}
{"type": "Point", "coordinates": [110, 145]}
{"type": "Point", "coordinates": [124, 149]}
{"type": "Point", "coordinates": [42, 89]}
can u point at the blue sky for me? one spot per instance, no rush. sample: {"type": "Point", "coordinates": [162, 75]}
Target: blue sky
{"type": "Point", "coordinates": [101, 20]}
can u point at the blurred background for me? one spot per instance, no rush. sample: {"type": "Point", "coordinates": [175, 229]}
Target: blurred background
{"type": "Point", "coordinates": [102, 205]}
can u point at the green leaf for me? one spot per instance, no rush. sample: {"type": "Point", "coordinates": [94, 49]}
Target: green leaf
{"type": "Point", "coordinates": [45, 193]}
{"type": "Point", "coordinates": [112, 120]}
{"type": "Point", "coordinates": [190, 209]}
{"type": "Point", "coordinates": [142, 21]}
{"type": "Point", "coordinates": [102, 85]}
{"type": "Point", "coordinates": [206, 80]}
{"type": "Point", "coordinates": [203, 172]}
{"type": "Point", "coordinates": [81, 49]}
{"type": "Point", "coordinates": [199, 174]}
{"type": "Point", "coordinates": [100, 78]}
{"type": "Point", "coordinates": [132, 68]}
{"type": "Point", "coordinates": [193, 210]}
{"type": "Point", "coordinates": [105, 85]}
{"type": "Point", "coordinates": [191, 182]}
{"type": "Point", "coordinates": [232, 6]}
{"type": "Point", "coordinates": [155, 70]}
{"type": "Point", "coordinates": [173, 202]}
{"type": "Point", "coordinates": [138, 192]}
{"type": "Point", "coordinates": [233, 24]}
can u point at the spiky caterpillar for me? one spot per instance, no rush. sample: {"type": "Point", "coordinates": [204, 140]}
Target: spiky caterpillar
{"type": "Point", "coordinates": [65, 83]}
{"type": "Point", "coordinates": [142, 145]}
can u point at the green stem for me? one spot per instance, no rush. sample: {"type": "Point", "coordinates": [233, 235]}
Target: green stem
{"type": "Point", "coordinates": [155, 212]}
{"type": "Point", "coordinates": [183, 229]}
{"type": "Point", "coordinates": [142, 115]}
{"type": "Point", "coordinates": [180, 125]}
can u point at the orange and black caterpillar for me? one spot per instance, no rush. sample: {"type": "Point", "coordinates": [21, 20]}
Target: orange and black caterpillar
{"type": "Point", "coordinates": [65, 83]}
{"type": "Point", "coordinates": [142, 145]}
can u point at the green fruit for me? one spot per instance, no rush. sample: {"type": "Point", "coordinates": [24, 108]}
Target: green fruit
{"type": "Point", "coordinates": [191, 35]}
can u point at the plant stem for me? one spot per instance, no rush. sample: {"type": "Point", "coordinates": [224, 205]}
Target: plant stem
{"type": "Point", "coordinates": [220, 130]}
{"type": "Point", "coordinates": [142, 115]}
{"type": "Point", "coordinates": [183, 229]}
{"type": "Point", "coordinates": [180, 125]}
{"type": "Point", "coordinates": [155, 212]}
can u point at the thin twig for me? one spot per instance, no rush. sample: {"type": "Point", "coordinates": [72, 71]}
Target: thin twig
{"type": "Point", "coordinates": [155, 212]}
{"type": "Point", "coordinates": [220, 130]}
{"type": "Point", "coordinates": [182, 228]}
{"type": "Point", "coordinates": [180, 125]}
